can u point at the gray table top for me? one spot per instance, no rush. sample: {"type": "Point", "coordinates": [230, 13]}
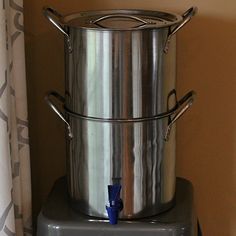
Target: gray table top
{"type": "Point", "coordinates": [57, 218]}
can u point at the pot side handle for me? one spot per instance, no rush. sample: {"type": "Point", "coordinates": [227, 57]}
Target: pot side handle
{"type": "Point", "coordinates": [61, 99]}
{"type": "Point", "coordinates": [186, 101]}
{"type": "Point", "coordinates": [187, 16]}
{"type": "Point", "coordinates": [54, 17]}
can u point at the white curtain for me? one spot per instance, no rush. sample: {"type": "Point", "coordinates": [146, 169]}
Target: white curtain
{"type": "Point", "coordinates": [15, 184]}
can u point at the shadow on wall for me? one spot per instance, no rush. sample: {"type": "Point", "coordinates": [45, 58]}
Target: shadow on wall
{"type": "Point", "coordinates": [206, 140]}
{"type": "Point", "coordinates": [45, 71]}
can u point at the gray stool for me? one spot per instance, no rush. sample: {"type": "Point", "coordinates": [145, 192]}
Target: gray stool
{"type": "Point", "coordinates": [58, 219]}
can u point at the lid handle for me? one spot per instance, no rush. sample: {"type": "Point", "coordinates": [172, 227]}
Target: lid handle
{"type": "Point", "coordinates": [142, 21]}
{"type": "Point", "coordinates": [186, 18]}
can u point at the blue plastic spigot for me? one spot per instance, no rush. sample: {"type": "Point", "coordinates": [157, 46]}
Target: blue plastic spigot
{"type": "Point", "coordinates": [115, 203]}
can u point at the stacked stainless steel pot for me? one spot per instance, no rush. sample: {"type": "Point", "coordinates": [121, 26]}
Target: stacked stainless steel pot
{"type": "Point", "coordinates": [120, 107]}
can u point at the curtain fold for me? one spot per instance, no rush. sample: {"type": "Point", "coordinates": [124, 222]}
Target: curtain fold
{"type": "Point", "coordinates": [15, 180]}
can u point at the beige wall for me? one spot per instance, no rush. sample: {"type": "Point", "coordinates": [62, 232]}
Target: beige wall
{"type": "Point", "coordinates": [206, 142]}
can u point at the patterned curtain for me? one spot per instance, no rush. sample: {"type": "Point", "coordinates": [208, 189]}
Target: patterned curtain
{"type": "Point", "coordinates": [15, 184]}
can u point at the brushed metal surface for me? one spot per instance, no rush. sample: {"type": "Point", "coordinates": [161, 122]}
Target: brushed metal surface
{"type": "Point", "coordinates": [121, 74]}
{"type": "Point", "coordinates": [134, 155]}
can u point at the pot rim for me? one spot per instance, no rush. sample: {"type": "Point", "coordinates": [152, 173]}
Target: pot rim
{"type": "Point", "coordinates": [162, 115]}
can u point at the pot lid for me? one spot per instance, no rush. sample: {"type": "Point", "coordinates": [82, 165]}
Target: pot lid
{"type": "Point", "coordinates": [121, 19]}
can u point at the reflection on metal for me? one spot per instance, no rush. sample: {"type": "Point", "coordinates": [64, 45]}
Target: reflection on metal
{"type": "Point", "coordinates": [132, 153]}
{"type": "Point", "coordinates": [118, 104]}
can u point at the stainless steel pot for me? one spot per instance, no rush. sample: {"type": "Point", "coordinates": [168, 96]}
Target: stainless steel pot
{"type": "Point", "coordinates": [132, 152]}
{"type": "Point", "coordinates": [116, 65]}
{"type": "Point", "coordinates": [120, 105]}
